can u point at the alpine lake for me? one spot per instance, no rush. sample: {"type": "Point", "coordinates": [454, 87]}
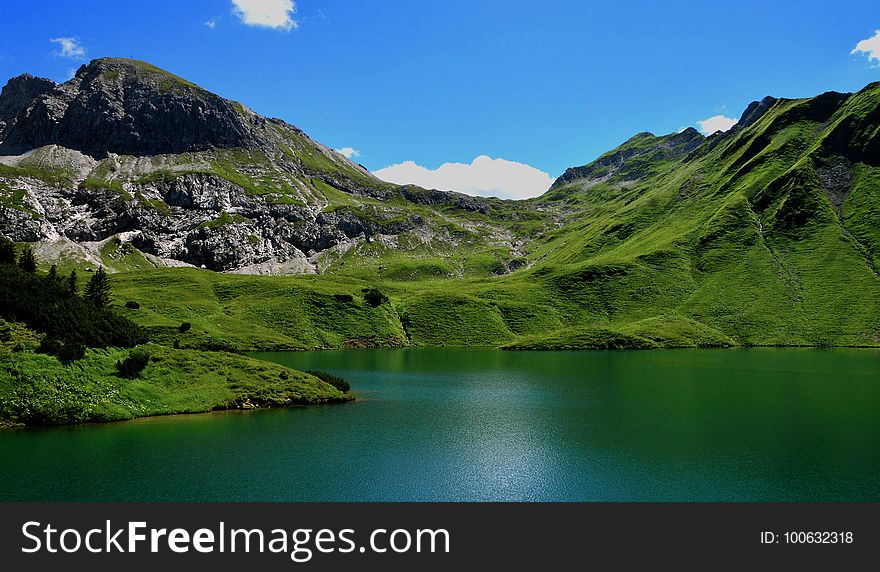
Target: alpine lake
{"type": "Point", "coordinates": [755, 424]}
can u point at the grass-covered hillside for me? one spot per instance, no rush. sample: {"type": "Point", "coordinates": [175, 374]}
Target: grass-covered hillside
{"type": "Point", "coordinates": [68, 356]}
{"type": "Point", "coordinates": [767, 234]}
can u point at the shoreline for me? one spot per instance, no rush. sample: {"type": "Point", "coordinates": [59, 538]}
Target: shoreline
{"type": "Point", "coordinates": [250, 404]}
{"type": "Point", "coordinates": [37, 390]}
{"type": "Point", "coordinates": [5, 426]}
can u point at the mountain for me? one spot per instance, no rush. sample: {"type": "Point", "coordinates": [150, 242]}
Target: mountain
{"type": "Point", "coordinates": [767, 234]}
{"type": "Point", "coordinates": [126, 153]}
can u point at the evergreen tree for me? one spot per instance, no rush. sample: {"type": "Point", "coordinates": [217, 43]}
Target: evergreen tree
{"type": "Point", "coordinates": [53, 274]}
{"type": "Point", "coordinates": [7, 251]}
{"type": "Point", "coordinates": [72, 288]}
{"type": "Point", "coordinates": [69, 322]}
{"type": "Point", "coordinates": [98, 289]}
{"type": "Point", "coordinates": [27, 261]}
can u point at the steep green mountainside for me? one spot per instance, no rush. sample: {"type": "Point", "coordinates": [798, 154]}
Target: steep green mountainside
{"type": "Point", "coordinates": [768, 233]}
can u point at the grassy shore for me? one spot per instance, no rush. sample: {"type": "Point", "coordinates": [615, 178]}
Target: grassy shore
{"type": "Point", "coordinates": [36, 389]}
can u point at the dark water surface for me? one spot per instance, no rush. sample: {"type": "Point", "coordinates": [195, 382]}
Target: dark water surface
{"type": "Point", "coordinates": [454, 424]}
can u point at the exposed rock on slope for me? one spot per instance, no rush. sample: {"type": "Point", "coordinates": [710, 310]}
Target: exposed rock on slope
{"type": "Point", "coordinates": [17, 95]}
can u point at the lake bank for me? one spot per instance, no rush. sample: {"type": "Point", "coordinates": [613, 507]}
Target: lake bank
{"type": "Point", "coordinates": [36, 389]}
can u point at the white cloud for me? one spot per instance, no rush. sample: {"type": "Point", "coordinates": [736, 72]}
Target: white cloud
{"type": "Point", "coordinates": [275, 14]}
{"type": "Point", "coordinates": [212, 23]}
{"type": "Point", "coordinates": [69, 48]}
{"type": "Point", "coordinates": [716, 123]}
{"type": "Point", "coordinates": [870, 47]}
{"type": "Point", "coordinates": [349, 152]}
{"type": "Point", "coordinates": [484, 177]}
{"type": "Point", "coordinates": [70, 73]}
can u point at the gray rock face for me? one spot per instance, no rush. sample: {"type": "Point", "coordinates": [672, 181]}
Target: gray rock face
{"type": "Point", "coordinates": [124, 107]}
{"type": "Point", "coordinates": [755, 111]}
{"type": "Point", "coordinates": [197, 219]}
{"type": "Point", "coordinates": [437, 198]}
{"type": "Point", "coordinates": [19, 226]}
{"type": "Point", "coordinates": [207, 192]}
{"type": "Point", "coordinates": [20, 92]}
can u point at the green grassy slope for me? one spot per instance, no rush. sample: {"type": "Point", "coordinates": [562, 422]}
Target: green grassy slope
{"type": "Point", "coordinates": [37, 390]}
{"type": "Point", "coordinates": [765, 235]}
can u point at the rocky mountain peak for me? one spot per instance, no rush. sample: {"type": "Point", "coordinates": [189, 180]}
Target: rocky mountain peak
{"type": "Point", "coordinates": [122, 106]}
{"type": "Point", "coordinates": [19, 92]}
{"type": "Point", "coordinates": [755, 110]}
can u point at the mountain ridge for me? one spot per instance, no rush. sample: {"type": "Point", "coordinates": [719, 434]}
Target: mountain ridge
{"type": "Point", "coordinates": [127, 107]}
{"type": "Point", "coordinates": [766, 234]}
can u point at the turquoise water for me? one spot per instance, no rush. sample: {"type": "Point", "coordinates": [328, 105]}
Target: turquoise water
{"type": "Point", "coordinates": [453, 424]}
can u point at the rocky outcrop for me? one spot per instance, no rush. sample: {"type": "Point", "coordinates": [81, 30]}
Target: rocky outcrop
{"type": "Point", "coordinates": [446, 198]}
{"type": "Point", "coordinates": [205, 192]}
{"type": "Point", "coordinates": [754, 111]}
{"type": "Point", "coordinates": [623, 163]}
{"type": "Point", "coordinates": [20, 92]}
{"type": "Point", "coordinates": [124, 107]}
{"type": "Point", "coordinates": [197, 219]}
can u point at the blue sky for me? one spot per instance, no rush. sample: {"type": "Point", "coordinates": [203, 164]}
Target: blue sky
{"type": "Point", "coordinates": [535, 87]}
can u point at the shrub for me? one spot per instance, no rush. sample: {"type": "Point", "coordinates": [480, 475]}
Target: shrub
{"type": "Point", "coordinates": [134, 364]}
{"type": "Point", "coordinates": [344, 297]}
{"type": "Point", "coordinates": [49, 346]}
{"type": "Point", "coordinates": [374, 297]}
{"type": "Point", "coordinates": [333, 380]}
{"type": "Point", "coordinates": [184, 327]}
{"type": "Point", "coordinates": [70, 352]}
{"type": "Point", "coordinates": [132, 305]}
{"type": "Point", "coordinates": [67, 352]}
{"type": "Point", "coordinates": [7, 251]}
